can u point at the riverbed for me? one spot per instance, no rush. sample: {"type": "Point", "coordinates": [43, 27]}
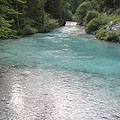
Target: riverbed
{"type": "Point", "coordinates": [62, 75]}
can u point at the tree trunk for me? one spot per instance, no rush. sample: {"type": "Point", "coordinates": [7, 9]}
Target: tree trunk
{"type": "Point", "coordinates": [114, 5]}
{"type": "Point", "coordinates": [17, 16]}
{"type": "Point", "coordinates": [43, 13]}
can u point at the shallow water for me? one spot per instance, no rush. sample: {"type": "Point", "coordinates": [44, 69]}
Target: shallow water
{"type": "Point", "coordinates": [62, 75]}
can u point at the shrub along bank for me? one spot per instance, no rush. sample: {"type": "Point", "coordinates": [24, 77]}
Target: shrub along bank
{"type": "Point", "coordinates": [105, 24]}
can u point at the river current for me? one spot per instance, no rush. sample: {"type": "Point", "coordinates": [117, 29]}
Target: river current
{"type": "Point", "coordinates": [61, 75]}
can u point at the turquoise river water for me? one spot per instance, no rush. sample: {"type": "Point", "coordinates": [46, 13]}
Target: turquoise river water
{"type": "Point", "coordinates": [61, 75]}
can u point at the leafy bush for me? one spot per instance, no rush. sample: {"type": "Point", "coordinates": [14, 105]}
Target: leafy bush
{"type": "Point", "coordinates": [82, 10]}
{"type": "Point", "coordinates": [28, 30]}
{"type": "Point", "coordinates": [90, 15]}
{"type": "Point", "coordinates": [101, 34]}
{"type": "Point", "coordinates": [26, 21]}
{"type": "Point", "coordinates": [112, 36]}
{"type": "Point", "coordinates": [94, 25]}
{"type": "Point", "coordinates": [6, 32]}
{"type": "Point", "coordinates": [107, 35]}
{"type": "Point", "coordinates": [51, 24]}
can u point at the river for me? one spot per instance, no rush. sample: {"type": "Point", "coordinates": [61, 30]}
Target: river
{"type": "Point", "coordinates": [61, 75]}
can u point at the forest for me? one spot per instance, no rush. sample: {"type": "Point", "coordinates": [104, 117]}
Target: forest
{"type": "Point", "coordinates": [27, 17]}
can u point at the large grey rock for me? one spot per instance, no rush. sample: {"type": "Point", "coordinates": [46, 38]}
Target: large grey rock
{"type": "Point", "coordinates": [116, 27]}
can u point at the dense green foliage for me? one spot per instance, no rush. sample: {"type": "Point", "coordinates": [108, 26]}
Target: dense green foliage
{"type": "Point", "coordinates": [6, 32]}
{"type": "Point", "coordinates": [107, 35]}
{"type": "Point", "coordinates": [26, 17]}
{"type": "Point", "coordinates": [94, 24]}
{"type": "Point", "coordinates": [28, 30]}
{"type": "Point", "coordinates": [90, 15]}
{"type": "Point", "coordinates": [83, 9]}
{"type": "Point", "coordinates": [93, 14]}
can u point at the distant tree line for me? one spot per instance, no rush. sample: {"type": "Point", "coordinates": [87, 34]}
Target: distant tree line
{"type": "Point", "coordinates": [26, 17]}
